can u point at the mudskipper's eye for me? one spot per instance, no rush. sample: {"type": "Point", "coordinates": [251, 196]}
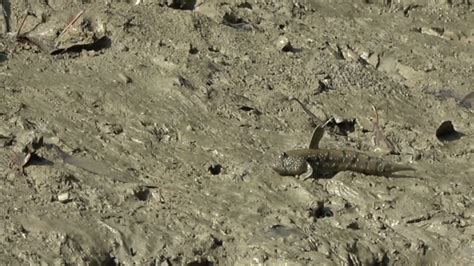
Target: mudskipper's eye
{"type": "Point", "coordinates": [283, 155]}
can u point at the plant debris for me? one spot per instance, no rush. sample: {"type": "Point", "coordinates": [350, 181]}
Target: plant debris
{"type": "Point", "coordinates": [381, 142]}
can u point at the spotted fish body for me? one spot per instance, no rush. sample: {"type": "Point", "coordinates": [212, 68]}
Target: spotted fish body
{"type": "Point", "coordinates": [316, 162]}
{"type": "Point", "coordinates": [322, 162]}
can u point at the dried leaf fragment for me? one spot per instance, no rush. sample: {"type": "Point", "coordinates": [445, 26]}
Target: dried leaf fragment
{"type": "Point", "coordinates": [381, 142]}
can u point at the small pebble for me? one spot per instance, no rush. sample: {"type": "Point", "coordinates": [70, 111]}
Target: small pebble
{"type": "Point", "coordinates": [349, 54]}
{"type": "Point", "coordinates": [283, 44]}
{"type": "Point", "coordinates": [63, 197]}
{"type": "Point", "coordinates": [373, 60]}
{"type": "Point", "coordinates": [110, 128]}
{"type": "Point", "coordinates": [124, 78]}
{"type": "Point", "coordinates": [365, 56]}
{"type": "Point", "coordinates": [433, 31]}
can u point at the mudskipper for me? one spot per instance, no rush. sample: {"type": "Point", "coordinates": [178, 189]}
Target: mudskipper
{"type": "Point", "coordinates": [316, 162]}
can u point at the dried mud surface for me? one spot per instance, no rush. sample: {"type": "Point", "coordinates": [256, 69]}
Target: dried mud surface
{"type": "Point", "coordinates": [168, 128]}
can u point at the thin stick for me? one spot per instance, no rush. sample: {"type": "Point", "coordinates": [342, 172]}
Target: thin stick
{"type": "Point", "coordinates": [69, 25]}
{"type": "Point", "coordinates": [378, 136]}
{"type": "Point", "coordinates": [312, 116]}
{"type": "Point", "coordinates": [22, 23]}
{"type": "Point", "coordinates": [376, 116]}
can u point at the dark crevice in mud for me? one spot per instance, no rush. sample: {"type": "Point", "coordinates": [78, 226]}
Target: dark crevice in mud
{"type": "Point", "coordinates": [183, 4]}
{"type": "Point", "coordinates": [99, 44]}
{"type": "Point", "coordinates": [110, 261]}
{"type": "Point", "coordinates": [202, 262]}
{"type": "Point", "coordinates": [446, 132]}
{"type": "Point", "coordinates": [215, 169]}
{"type": "Point", "coordinates": [143, 194]}
{"type": "Point", "coordinates": [6, 14]}
{"type": "Point", "coordinates": [320, 211]}
{"type": "Point", "coordinates": [343, 127]}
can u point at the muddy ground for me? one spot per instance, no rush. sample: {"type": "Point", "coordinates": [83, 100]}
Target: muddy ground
{"type": "Point", "coordinates": [158, 132]}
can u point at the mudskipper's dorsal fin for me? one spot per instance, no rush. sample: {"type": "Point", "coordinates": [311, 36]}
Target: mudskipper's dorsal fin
{"type": "Point", "coordinates": [316, 138]}
{"type": "Point", "coordinates": [318, 134]}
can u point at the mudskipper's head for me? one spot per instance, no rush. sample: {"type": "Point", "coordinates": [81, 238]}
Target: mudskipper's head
{"type": "Point", "coordinates": [287, 164]}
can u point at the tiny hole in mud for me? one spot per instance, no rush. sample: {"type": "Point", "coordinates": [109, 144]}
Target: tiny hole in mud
{"type": "Point", "coordinates": [245, 5]}
{"type": "Point", "coordinates": [319, 211]}
{"type": "Point", "coordinates": [215, 169]}
{"type": "Point", "coordinates": [324, 85]}
{"type": "Point", "coordinates": [353, 225]}
{"type": "Point", "coordinates": [3, 56]}
{"type": "Point", "coordinates": [216, 242]}
{"type": "Point", "coordinates": [343, 127]}
{"type": "Point", "coordinates": [68, 179]}
{"type": "Point", "coordinates": [184, 82]}
{"type": "Point", "coordinates": [110, 261]}
{"type": "Point", "coordinates": [287, 47]}
{"type": "Point", "coordinates": [246, 108]}
{"type": "Point", "coordinates": [143, 194]}
{"type": "Point", "coordinates": [446, 132]}
{"type": "Point", "coordinates": [183, 4]}
{"type": "Point", "coordinates": [201, 262]}
{"type": "Point", "coordinates": [232, 18]}
{"type": "Point", "coordinates": [250, 109]}
{"type": "Point", "coordinates": [193, 50]}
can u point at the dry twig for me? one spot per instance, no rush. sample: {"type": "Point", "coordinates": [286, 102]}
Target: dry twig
{"type": "Point", "coordinates": [69, 25]}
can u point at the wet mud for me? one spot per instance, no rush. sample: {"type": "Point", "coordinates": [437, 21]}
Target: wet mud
{"type": "Point", "coordinates": [143, 132]}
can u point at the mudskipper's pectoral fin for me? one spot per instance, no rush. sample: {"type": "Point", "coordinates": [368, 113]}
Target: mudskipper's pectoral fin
{"type": "Point", "coordinates": [309, 172]}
